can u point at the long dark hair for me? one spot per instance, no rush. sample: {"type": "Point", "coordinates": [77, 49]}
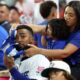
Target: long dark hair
{"type": "Point", "coordinates": [76, 7]}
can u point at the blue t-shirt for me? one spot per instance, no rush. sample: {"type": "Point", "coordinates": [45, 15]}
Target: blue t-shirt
{"type": "Point", "coordinates": [4, 33]}
{"type": "Point", "coordinates": [3, 36]}
{"type": "Point", "coordinates": [55, 44]}
{"type": "Point", "coordinates": [37, 36]}
{"type": "Point", "coordinates": [75, 40]}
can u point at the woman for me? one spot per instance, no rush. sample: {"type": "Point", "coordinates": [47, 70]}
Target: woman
{"type": "Point", "coordinates": [71, 52]}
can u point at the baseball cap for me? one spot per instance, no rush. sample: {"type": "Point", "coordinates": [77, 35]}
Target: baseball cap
{"type": "Point", "coordinates": [57, 64]}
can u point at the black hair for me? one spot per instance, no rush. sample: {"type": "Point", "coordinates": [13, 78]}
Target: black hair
{"type": "Point", "coordinates": [3, 4]}
{"type": "Point", "coordinates": [14, 8]}
{"type": "Point", "coordinates": [59, 28]}
{"type": "Point", "coordinates": [25, 27]}
{"type": "Point", "coordinates": [45, 8]}
{"type": "Point", "coordinates": [66, 74]}
{"type": "Point", "coordinates": [76, 7]}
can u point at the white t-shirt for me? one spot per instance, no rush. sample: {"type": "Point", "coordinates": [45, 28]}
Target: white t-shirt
{"type": "Point", "coordinates": [33, 66]}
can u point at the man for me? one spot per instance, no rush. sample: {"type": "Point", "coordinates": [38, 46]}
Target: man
{"type": "Point", "coordinates": [5, 28]}
{"type": "Point", "coordinates": [28, 67]}
{"type": "Point", "coordinates": [4, 15]}
{"type": "Point", "coordinates": [58, 70]}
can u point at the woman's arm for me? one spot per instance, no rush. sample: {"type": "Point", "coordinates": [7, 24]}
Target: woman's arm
{"type": "Point", "coordinates": [72, 46]}
{"type": "Point", "coordinates": [59, 53]}
{"type": "Point", "coordinates": [53, 53]}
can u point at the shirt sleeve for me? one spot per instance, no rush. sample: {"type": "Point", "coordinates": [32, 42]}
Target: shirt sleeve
{"type": "Point", "coordinates": [76, 40]}
{"type": "Point", "coordinates": [17, 75]}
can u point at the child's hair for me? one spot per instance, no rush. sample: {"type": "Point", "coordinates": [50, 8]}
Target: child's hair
{"type": "Point", "coordinates": [59, 28]}
{"type": "Point", "coordinates": [25, 27]}
{"type": "Point", "coordinates": [45, 8]}
{"type": "Point", "coordinates": [66, 75]}
{"type": "Point", "coordinates": [14, 8]}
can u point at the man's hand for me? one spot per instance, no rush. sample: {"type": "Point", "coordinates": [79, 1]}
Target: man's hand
{"type": "Point", "coordinates": [9, 62]}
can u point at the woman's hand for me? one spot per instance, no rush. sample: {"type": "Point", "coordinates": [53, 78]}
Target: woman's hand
{"type": "Point", "coordinates": [32, 51]}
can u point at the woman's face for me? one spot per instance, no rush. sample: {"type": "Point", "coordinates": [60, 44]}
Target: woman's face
{"type": "Point", "coordinates": [70, 16]}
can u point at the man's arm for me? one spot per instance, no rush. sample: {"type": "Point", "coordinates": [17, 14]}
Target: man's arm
{"type": "Point", "coordinates": [17, 75]}
{"type": "Point", "coordinates": [9, 62]}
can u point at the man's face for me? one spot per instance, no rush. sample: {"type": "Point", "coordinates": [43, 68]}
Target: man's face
{"type": "Point", "coordinates": [4, 13]}
{"type": "Point", "coordinates": [57, 76]}
{"type": "Point", "coordinates": [23, 37]}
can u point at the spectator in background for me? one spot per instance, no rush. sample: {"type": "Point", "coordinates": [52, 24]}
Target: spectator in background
{"type": "Point", "coordinates": [37, 18]}
{"type": "Point", "coordinates": [14, 17]}
{"type": "Point", "coordinates": [50, 9]}
{"type": "Point", "coordinates": [26, 10]}
{"type": "Point", "coordinates": [4, 15]}
{"type": "Point", "coordinates": [62, 4]}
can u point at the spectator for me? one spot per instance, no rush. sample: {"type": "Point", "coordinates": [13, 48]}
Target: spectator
{"type": "Point", "coordinates": [5, 28]}
{"type": "Point", "coordinates": [26, 10]}
{"type": "Point", "coordinates": [62, 4]}
{"type": "Point", "coordinates": [14, 11]}
{"type": "Point", "coordinates": [37, 18]}
{"type": "Point", "coordinates": [58, 70]}
{"type": "Point", "coordinates": [31, 67]}
{"type": "Point", "coordinates": [14, 17]}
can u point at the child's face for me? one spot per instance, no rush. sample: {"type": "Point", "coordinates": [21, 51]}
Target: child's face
{"type": "Point", "coordinates": [57, 76]}
{"type": "Point", "coordinates": [49, 31]}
